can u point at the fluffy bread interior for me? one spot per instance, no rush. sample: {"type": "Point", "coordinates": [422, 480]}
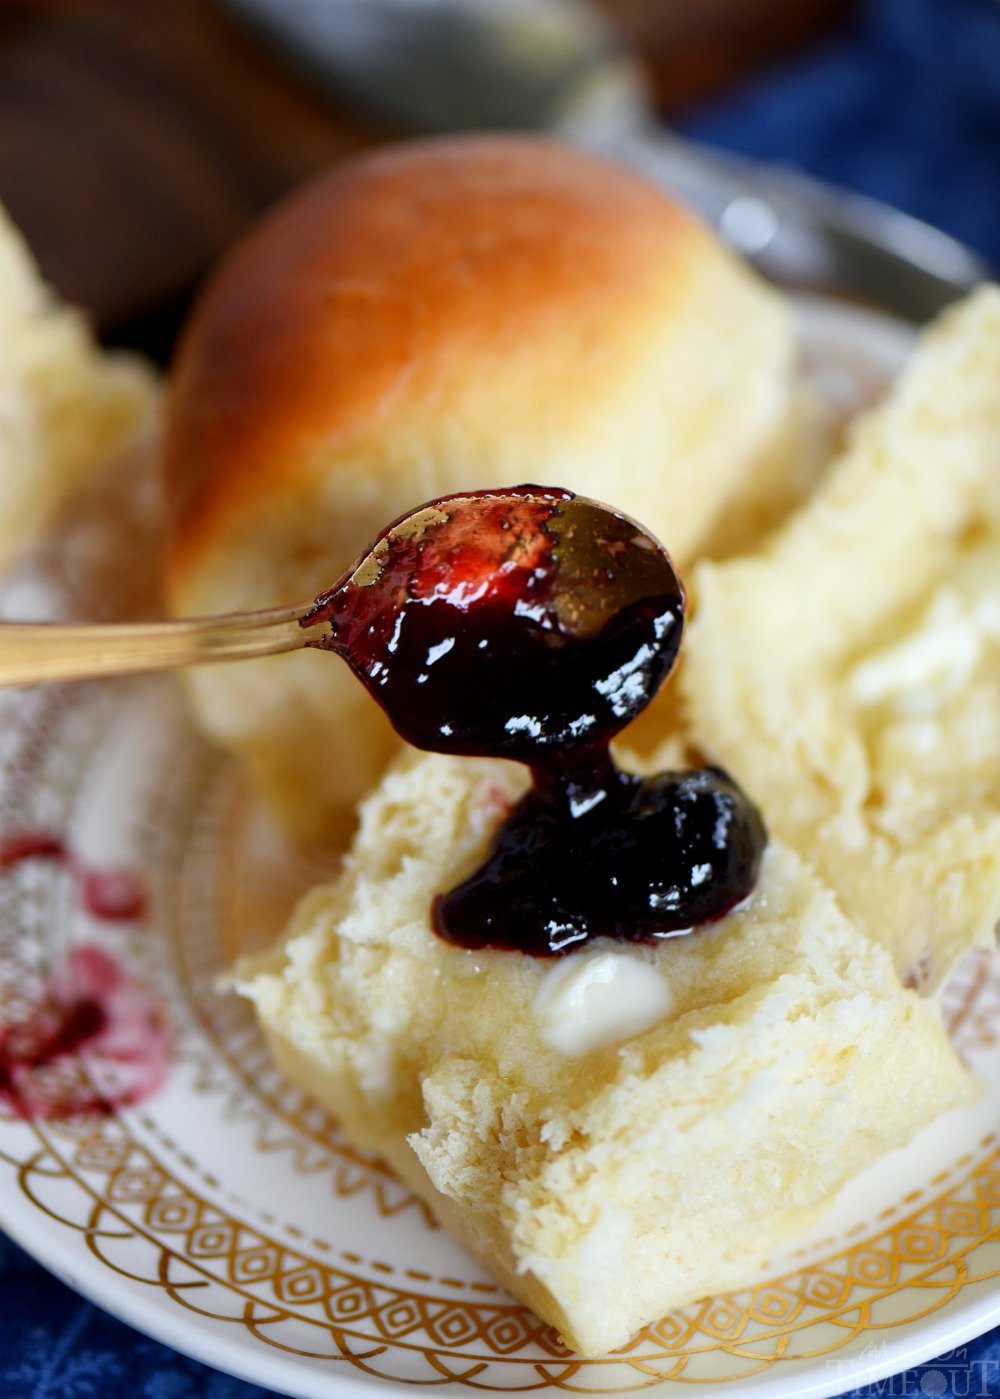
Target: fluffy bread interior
{"type": "Point", "coordinates": [606, 1188]}
{"type": "Point", "coordinates": [849, 670]}
{"type": "Point", "coordinates": [66, 407]}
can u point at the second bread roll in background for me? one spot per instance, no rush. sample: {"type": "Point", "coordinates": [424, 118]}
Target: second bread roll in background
{"type": "Point", "coordinates": [446, 315]}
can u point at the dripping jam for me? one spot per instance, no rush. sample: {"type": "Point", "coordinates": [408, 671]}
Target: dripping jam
{"type": "Point", "coordinates": [533, 625]}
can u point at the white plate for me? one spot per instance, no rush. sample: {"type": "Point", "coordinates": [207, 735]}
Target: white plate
{"type": "Point", "coordinates": [226, 1216]}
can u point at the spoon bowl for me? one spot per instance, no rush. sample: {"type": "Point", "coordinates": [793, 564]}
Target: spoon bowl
{"type": "Point", "coordinates": [576, 568]}
{"type": "Point", "coordinates": [513, 621]}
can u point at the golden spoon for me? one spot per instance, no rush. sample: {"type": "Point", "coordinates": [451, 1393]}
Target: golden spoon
{"type": "Point", "coordinates": [34, 652]}
{"type": "Point", "coordinates": [31, 652]}
{"type": "Point", "coordinates": [602, 561]}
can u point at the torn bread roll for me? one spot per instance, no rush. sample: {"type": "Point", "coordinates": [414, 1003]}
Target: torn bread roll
{"type": "Point", "coordinates": [614, 1149]}
{"type": "Point", "coordinates": [440, 316]}
{"type": "Point", "coordinates": [66, 407]}
{"type": "Point", "coordinates": [849, 671]}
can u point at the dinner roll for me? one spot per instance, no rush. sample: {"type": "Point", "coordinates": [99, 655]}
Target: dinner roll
{"type": "Point", "coordinates": [444, 315]}
{"type": "Point", "coordinates": [66, 408]}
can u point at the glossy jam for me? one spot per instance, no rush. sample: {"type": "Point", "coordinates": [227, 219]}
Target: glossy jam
{"type": "Point", "coordinates": [534, 625]}
{"type": "Point", "coordinates": [486, 629]}
{"type": "Point", "coordinates": [651, 858]}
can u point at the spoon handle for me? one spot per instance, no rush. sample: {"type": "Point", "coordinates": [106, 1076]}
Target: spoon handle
{"type": "Point", "coordinates": [31, 652]}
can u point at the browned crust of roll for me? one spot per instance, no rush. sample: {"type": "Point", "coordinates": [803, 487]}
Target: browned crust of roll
{"type": "Point", "coordinates": [383, 283]}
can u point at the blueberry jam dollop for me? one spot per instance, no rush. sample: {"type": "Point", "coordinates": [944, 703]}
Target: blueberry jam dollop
{"type": "Point", "coordinates": [533, 624]}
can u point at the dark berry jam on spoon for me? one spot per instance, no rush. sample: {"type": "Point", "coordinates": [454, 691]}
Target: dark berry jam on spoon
{"type": "Point", "coordinates": [529, 624]}
{"type": "Point", "coordinates": [533, 624]}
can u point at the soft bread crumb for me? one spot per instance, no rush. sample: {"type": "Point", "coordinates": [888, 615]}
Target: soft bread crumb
{"type": "Point", "coordinates": [605, 1189]}
{"type": "Point", "coordinates": [792, 667]}
{"type": "Point", "coordinates": [66, 408]}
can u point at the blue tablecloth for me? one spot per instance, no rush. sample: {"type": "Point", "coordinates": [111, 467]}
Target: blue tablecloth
{"type": "Point", "coordinates": [57, 1346]}
{"type": "Point", "coordinates": [905, 106]}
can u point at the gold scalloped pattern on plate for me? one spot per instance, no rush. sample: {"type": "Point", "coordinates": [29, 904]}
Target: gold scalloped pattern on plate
{"type": "Point", "coordinates": [150, 1211]}
{"type": "Point", "coordinates": [140, 1206]}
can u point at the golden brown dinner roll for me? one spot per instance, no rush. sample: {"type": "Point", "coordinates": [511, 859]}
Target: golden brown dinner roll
{"type": "Point", "coordinates": [438, 316]}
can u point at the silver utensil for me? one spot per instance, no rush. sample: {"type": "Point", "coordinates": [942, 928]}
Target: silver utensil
{"type": "Point", "coordinates": [561, 66]}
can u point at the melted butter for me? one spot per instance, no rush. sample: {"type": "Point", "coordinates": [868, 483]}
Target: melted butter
{"type": "Point", "coordinates": [588, 1000]}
